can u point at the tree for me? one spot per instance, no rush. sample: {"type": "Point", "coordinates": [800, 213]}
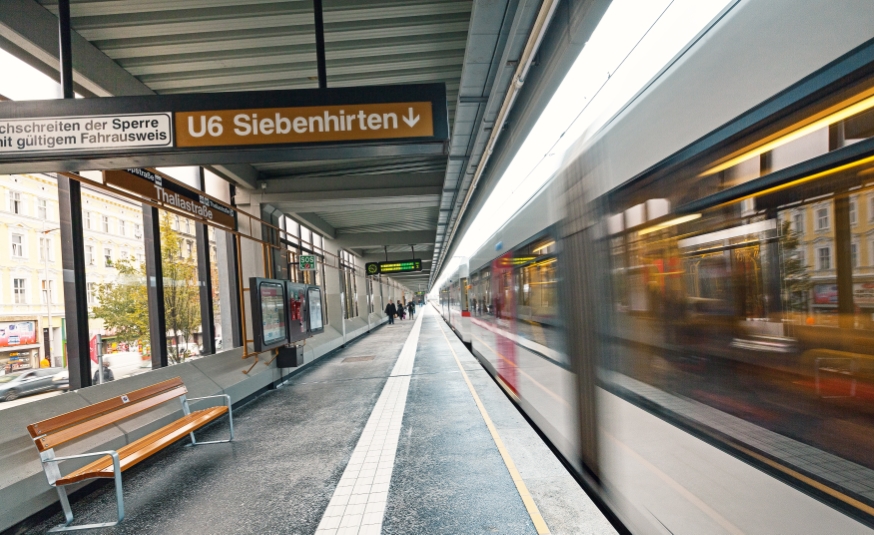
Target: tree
{"type": "Point", "coordinates": [181, 291]}
{"type": "Point", "coordinates": [795, 276]}
{"type": "Point", "coordinates": [124, 304]}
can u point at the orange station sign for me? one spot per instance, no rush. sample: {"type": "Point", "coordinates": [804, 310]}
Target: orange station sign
{"type": "Point", "coordinates": [309, 124]}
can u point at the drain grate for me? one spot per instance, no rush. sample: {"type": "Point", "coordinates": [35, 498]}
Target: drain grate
{"type": "Point", "coordinates": [357, 359]}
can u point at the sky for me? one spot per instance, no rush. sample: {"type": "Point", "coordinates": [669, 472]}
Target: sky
{"type": "Point", "coordinates": [633, 41]}
{"type": "Point", "coordinates": [20, 81]}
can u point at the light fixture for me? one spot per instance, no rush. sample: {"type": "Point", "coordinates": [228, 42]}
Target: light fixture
{"type": "Point", "coordinates": [838, 116]}
{"type": "Point", "coordinates": [669, 223]}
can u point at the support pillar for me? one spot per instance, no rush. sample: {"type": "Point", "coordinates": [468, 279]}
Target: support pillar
{"type": "Point", "coordinates": [155, 282]}
{"type": "Point", "coordinates": [204, 279]}
{"type": "Point", "coordinates": [75, 289]}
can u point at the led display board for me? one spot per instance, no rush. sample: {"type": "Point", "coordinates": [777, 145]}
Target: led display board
{"type": "Point", "coordinates": [269, 313]}
{"type": "Point", "coordinates": [395, 266]}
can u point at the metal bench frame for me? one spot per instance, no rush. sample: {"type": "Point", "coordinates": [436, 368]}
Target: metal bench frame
{"type": "Point", "coordinates": [50, 465]}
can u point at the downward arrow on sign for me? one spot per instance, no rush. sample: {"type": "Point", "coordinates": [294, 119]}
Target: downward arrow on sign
{"type": "Point", "coordinates": [409, 119]}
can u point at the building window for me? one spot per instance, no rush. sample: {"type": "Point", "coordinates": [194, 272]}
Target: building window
{"type": "Point", "coordinates": [42, 208]}
{"type": "Point", "coordinates": [15, 202]}
{"type": "Point", "coordinates": [852, 212]}
{"type": "Point", "coordinates": [91, 294]}
{"type": "Point", "coordinates": [48, 294]}
{"type": "Point", "coordinates": [799, 254]}
{"type": "Point", "coordinates": [121, 227]}
{"type": "Point", "coordinates": [138, 231]}
{"type": "Point", "coordinates": [821, 218]}
{"type": "Point", "coordinates": [18, 291]}
{"type": "Point", "coordinates": [799, 223]}
{"type": "Point", "coordinates": [89, 254]}
{"type": "Point", "coordinates": [89, 221]}
{"type": "Point", "coordinates": [105, 220]}
{"type": "Point", "coordinates": [189, 245]}
{"type": "Point", "coordinates": [188, 226]}
{"type": "Point", "coordinates": [854, 255]}
{"type": "Point", "coordinates": [824, 257]}
{"type": "Point", "coordinates": [18, 245]}
{"type": "Point", "coordinates": [107, 256]}
{"type": "Point", "coordinates": [45, 250]}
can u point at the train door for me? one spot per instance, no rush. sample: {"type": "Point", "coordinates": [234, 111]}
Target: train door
{"type": "Point", "coordinates": [504, 303]}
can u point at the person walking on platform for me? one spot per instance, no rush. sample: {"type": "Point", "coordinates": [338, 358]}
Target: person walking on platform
{"type": "Point", "coordinates": [401, 310]}
{"type": "Point", "coordinates": [391, 310]}
{"type": "Point", "coordinates": [411, 307]}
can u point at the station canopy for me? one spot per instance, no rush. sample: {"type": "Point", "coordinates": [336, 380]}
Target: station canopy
{"type": "Point", "coordinates": [373, 197]}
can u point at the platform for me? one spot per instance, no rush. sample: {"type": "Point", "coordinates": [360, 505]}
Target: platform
{"type": "Point", "coordinates": [383, 436]}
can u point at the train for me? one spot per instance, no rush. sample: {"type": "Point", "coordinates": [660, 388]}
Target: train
{"type": "Point", "coordinates": [685, 310]}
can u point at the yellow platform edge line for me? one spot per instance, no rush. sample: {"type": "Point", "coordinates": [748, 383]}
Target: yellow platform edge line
{"type": "Point", "coordinates": [527, 500]}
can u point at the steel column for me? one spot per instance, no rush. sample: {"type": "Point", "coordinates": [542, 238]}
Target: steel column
{"type": "Point", "coordinates": [155, 282]}
{"type": "Point", "coordinates": [66, 48]}
{"type": "Point", "coordinates": [75, 291]}
{"type": "Point", "coordinates": [320, 44]}
{"type": "Point", "coordinates": [72, 237]}
{"type": "Point", "coordinates": [204, 276]}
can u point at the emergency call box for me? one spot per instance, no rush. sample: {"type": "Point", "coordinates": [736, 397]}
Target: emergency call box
{"type": "Point", "coordinates": [297, 295]}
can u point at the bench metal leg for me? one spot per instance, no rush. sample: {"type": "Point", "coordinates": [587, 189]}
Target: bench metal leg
{"type": "Point", "coordinates": [230, 424]}
{"type": "Point", "coordinates": [187, 410]}
{"type": "Point", "coordinates": [68, 511]}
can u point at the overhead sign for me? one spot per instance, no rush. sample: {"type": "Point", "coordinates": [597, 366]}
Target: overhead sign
{"type": "Point", "coordinates": [271, 126]}
{"type": "Point", "coordinates": [196, 129]}
{"type": "Point", "coordinates": [88, 133]}
{"type": "Point", "coordinates": [166, 192]}
{"type": "Point", "coordinates": [306, 262]}
{"type": "Point", "coordinates": [398, 266]}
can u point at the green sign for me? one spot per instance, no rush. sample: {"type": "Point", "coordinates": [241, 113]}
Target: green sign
{"type": "Point", "coordinates": [306, 262]}
{"type": "Point", "coordinates": [399, 266]}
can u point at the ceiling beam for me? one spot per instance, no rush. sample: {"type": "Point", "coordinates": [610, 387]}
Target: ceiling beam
{"type": "Point", "coordinates": [32, 32]}
{"type": "Point", "coordinates": [336, 195]}
{"type": "Point", "coordinates": [316, 222]}
{"type": "Point", "coordinates": [351, 181]}
{"type": "Point", "coordinates": [34, 29]}
{"type": "Point", "coordinates": [374, 239]}
{"type": "Point", "coordinates": [357, 204]}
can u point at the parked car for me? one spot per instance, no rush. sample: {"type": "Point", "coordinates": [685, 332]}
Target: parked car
{"type": "Point", "coordinates": [26, 382]}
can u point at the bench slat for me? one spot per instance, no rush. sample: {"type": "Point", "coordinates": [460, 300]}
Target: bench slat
{"type": "Point", "coordinates": [141, 449]}
{"type": "Point", "coordinates": [91, 411]}
{"type": "Point", "coordinates": [87, 426]}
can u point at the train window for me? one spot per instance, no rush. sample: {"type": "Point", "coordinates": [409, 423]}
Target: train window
{"type": "Point", "coordinates": [759, 305]}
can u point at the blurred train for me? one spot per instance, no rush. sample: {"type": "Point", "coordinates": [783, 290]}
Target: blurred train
{"type": "Point", "coordinates": [686, 309]}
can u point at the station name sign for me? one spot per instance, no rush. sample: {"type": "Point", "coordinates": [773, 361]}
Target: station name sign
{"type": "Point", "coordinates": [397, 266]}
{"type": "Point", "coordinates": [195, 129]}
{"type": "Point", "coordinates": [162, 191]}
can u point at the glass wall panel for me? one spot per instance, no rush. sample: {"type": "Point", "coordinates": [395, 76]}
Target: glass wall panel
{"type": "Point", "coordinates": [31, 289]}
{"type": "Point", "coordinates": [116, 282]}
{"type": "Point", "coordinates": [181, 288]}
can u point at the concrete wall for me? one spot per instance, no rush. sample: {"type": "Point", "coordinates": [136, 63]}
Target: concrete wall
{"type": "Point", "coordinates": [23, 487]}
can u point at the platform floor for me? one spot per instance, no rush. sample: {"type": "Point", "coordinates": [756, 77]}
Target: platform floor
{"type": "Point", "coordinates": [384, 436]}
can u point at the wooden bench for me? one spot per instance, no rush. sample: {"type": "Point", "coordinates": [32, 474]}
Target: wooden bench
{"type": "Point", "coordinates": [48, 434]}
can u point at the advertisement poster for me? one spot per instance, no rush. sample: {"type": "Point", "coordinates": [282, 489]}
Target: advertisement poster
{"type": "Point", "coordinates": [272, 313]}
{"type": "Point", "coordinates": [17, 333]}
{"type": "Point", "coordinates": [315, 298]}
